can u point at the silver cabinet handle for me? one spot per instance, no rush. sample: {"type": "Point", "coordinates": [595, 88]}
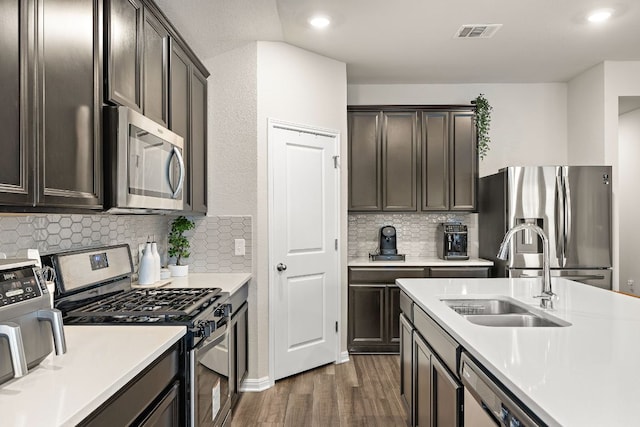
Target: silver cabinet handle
{"type": "Point", "coordinates": [54, 317]}
{"type": "Point", "coordinates": [281, 267]}
{"type": "Point", "coordinates": [16, 348]}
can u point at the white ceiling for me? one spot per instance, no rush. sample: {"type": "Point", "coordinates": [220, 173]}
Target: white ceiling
{"type": "Point", "coordinates": [411, 41]}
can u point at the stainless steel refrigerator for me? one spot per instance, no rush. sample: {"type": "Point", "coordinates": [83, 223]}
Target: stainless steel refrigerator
{"type": "Point", "coordinates": [572, 204]}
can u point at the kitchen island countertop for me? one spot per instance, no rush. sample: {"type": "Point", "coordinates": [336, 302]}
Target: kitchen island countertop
{"type": "Point", "coordinates": [100, 360]}
{"type": "Point", "coordinates": [580, 375]}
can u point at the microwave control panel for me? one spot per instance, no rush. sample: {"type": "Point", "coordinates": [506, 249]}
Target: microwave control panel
{"type": "Point", "coordinates": [18, 285]}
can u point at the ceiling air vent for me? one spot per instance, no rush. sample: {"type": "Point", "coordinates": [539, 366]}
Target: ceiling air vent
{"type": "Point", "coordinates": [477, 31]}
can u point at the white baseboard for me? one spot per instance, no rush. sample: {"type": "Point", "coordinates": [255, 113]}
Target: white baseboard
{"type": "Point", "coordinates": [343, 357]}
{"type": "Point", "coordinates": [256, 384]}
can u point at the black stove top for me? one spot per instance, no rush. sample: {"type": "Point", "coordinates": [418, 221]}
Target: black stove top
{"type": "Point", "coordinates": [150, 302]}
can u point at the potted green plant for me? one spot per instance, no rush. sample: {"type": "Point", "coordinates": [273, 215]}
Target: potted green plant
{"type": "Point", "coordinates": [483, 124]}
{"type": "Point", "coordinates": [179, 245]}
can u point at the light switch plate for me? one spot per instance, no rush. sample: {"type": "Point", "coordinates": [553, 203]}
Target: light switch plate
{"type": "Point", "coordinates": [239, 247]}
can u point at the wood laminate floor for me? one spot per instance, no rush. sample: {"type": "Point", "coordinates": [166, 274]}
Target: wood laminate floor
{"type": "Point", "coordinates": [362, 392]}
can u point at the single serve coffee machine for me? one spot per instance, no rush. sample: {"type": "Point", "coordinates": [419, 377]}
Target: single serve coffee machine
{"type": "Point", "coordinates": [387, 247]}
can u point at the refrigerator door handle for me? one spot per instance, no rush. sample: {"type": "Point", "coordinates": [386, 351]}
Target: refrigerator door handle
{"type": "Point", "coordinates": [566, 230]}
{"type": "Point", "coordinates": [559, 220]}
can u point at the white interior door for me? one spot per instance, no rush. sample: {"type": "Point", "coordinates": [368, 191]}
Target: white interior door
{"type": "Point", "coordinates": [304, 256]}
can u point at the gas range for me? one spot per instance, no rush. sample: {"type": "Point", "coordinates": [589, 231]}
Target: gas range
{"type": "Point", "coordinates": [94, 287]}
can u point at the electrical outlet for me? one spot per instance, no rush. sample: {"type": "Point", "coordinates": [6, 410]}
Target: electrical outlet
{"type": "Point", "coordinates": [630, 284]}
{"type": "Point", "coordinates": [239, 247]}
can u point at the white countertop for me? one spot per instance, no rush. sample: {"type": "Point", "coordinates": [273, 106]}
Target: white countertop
{"type": "Point", "coordinates": [420, 262]}
{"type": "Point", "coordinates": [63, 390]}
{"type": "Point", "coordinates": [228, 282]}
{"type": "Point", "coordinates": [581, 375]}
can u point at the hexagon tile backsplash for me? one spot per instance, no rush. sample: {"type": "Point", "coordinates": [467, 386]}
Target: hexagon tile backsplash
{"type": "Point", "coordinates": [212, 241]}
{"type": "Point", "coordinates": [416, 232]}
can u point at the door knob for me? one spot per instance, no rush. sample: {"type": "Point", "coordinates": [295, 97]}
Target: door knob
{"type": "Point", "coordinates": [281, 267]}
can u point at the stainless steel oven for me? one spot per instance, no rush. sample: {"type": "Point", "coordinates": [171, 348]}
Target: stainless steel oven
{"type": "Point", "coordinates": [144, 163]}
{"type": "Point", "coordinates": [211, 369]}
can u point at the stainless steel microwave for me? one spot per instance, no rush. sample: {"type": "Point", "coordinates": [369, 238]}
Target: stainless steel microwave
{"type": "Point", "coordinates": [144, 164]}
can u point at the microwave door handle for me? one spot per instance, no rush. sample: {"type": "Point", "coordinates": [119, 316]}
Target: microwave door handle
{"type": "Point", "coordinates": [176, 153]}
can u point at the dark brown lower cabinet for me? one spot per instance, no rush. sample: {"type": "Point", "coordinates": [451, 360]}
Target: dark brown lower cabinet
{"type": "Point", "coordinates": [374, 303]}
{"type": "Point", "coordinates": [153, 398]}
{"type": "Point", "coordinates": [428, 385]}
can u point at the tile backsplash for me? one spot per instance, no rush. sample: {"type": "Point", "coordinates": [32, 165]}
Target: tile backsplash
{"type": "Point", "coordinates": [212, 241]}
{"type": "Point", "coordinates": [416, 232]}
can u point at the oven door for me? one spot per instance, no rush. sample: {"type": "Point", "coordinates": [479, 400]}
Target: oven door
{"type": "Point", "coordinates": [210, 368]}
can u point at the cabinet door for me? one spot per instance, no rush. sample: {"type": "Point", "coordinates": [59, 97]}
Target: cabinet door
{"type": "Point", "coordinates": [124, 52]}
{"type": "Point", "coordinates": [406, 360]}
{"type": "Point", "coordinates": [15, 179]}
{"type": "Point", "coordinates": [365, 163]}
{"type": "Point", "coordinates": [435, 160]}
{"type": "Point", "coordinates": [167, 411]}
{"type": "Point", "coordinates": [464, 162]}
{"type": "Point", "coordinates": [197, 185]}
{"type": "Point", "coordinates": [447, 396]}
{"type": "Point", "coordinates": [156, 69]}
{"type": "Point", "coordinates": [69, 45]}
{"type": "Point", "coordinates": [366, 315]}
{"type": "Point", "coordinates": [422, 385]}
{"type": "Point", "coordinates": [179, 91]}
{"type": "Point", "coordinates": [399, 160]}
{"type": "Point", "coordinates": [393, 314]}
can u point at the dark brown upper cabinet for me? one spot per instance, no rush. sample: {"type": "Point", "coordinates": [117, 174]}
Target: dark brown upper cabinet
{"type": "Point", "coordinates": [52, 105]}
{"type": "Point", "coordinates": [383, 160]}
{"type": "Point", "coordinates": [16, 187]}
{"type": "Point", "coordinates": [365, 161]}
{"type": "Point", "coordinates": [156, 69]}
{"type": "Point", "coordinates": [124, 44]}
{"type": "Point", "coordinates": [188, 118]}
{"type": "Point", "coordinates": [410, 159]}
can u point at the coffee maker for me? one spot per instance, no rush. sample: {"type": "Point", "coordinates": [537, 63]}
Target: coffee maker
{"type": "Point", "coordinates": [387, 246]}
{"type": "Point", "coordinates": [452, 241]}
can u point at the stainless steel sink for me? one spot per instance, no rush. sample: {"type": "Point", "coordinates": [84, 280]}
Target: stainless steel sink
{"type": "Point", "coordinates": [512, 320]}
{"type": "Point", "coordinates": [484, 306]}
{"type": "Point", "coordinates": [502, 313]}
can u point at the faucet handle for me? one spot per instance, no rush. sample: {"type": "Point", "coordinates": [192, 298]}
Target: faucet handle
{"type": "Point", "coordinates": [547, 299]}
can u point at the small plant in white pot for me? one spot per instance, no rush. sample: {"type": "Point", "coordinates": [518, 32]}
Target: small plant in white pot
{"type": "Point", "coordinates": [179, 245]}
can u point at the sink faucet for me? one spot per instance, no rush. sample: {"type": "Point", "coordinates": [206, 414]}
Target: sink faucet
{"type": "Point", "coordinates": [546, 296]}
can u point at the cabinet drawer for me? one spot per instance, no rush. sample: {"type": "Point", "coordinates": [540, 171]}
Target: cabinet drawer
{"type": "Point", "coordinates": [440, 341]}
{"type": "Point", "coordinates": [406, 306]}
{"type": "Point", "coordinates": [384, 274]}
{"type": "Point", "coordinates": [460, 272]}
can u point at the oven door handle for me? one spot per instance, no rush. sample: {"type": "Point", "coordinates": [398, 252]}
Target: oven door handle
{"type": "Point", "coordinates": [213, 340]}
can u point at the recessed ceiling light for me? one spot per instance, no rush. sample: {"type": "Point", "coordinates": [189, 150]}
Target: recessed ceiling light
{"type": "Point", "coordinates": [319, 21]}
{"type": "Point", "coordinates": [600, 15]}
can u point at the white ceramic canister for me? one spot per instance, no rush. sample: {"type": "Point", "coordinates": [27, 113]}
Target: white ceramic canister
{"type": "Point", "coordinates": [146, 272]}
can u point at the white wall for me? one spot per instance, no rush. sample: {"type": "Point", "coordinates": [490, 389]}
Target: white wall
{"type": "Point", "coordinates": [528, 123]}
{"type": "Point", "coordinates": [629, 202]}
{"type": "Point", "coordinates": [248, 85]}
{"type": "Point", "coordinates": [232, 155]}
{"type": "Point", "coordinates": [593, 112]}
{"type": "Point", "coordinates": [297, 86]}
{"type": "Point", "coordinates": [585, 117]}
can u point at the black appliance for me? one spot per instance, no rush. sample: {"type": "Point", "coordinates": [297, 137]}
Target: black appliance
{"type": "Point", "coordinates": [93, 286]}
{"type": "Point", "coordinates": [452, 241]}
{"type": "Point", "coordinates": [387, 247]}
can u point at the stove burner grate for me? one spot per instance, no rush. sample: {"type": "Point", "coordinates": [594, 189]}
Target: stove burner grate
{"type": "Point", "coordinates": [150, 303]}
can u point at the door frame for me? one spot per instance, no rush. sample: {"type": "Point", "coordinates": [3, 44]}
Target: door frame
{"type": "Point", "coordinates": [272, 125]}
